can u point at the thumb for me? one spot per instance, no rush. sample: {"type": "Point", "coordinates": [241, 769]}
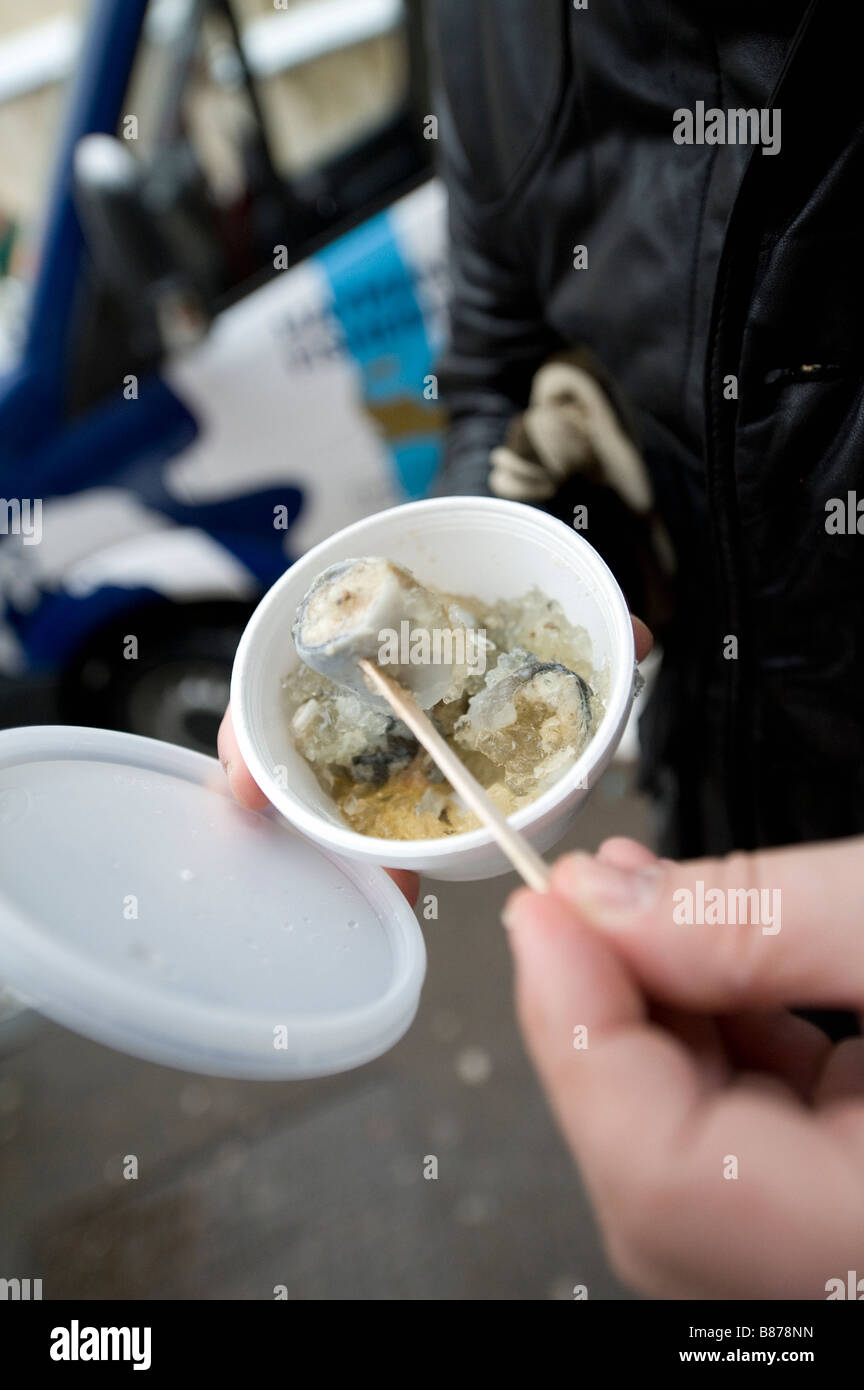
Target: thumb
{"type": "Point", "coordinates": [782, 927]}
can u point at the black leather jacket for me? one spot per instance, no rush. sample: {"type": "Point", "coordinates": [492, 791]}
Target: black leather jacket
{"type": "Point", "coordinates": [704, 261]}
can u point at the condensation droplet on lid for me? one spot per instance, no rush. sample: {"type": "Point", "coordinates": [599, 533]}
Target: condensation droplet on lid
{"type": "Point", "coordinates": [187, 875]}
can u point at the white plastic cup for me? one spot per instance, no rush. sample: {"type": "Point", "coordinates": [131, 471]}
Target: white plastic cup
{"type": "Point", "coordinates": [476, 546]}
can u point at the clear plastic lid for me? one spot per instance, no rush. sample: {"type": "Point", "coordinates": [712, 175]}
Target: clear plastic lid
{"type": "Point", "coordinates": [140, 906]}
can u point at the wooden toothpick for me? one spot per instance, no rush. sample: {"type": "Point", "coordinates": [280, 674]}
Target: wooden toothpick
{"type": "Point", "coordinates": [521, 854]}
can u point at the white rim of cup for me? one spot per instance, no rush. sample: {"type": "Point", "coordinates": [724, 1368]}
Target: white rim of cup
{"type": "Point", "coordinates": [398, 853]}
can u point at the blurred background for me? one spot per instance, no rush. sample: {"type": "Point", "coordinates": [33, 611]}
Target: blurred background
{"type": "Point", "coordinates": [222, 295]}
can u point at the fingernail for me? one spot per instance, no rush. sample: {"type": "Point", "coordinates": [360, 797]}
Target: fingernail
{"type": "Point", "coordinates": [609, 896]}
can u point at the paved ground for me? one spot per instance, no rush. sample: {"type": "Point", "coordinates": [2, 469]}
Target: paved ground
{"type": "Point", "coordinates": [316, 1186]}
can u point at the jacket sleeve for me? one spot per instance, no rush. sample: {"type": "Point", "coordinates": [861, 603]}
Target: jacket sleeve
{"type": "Point", "coordinates": [497, 337]}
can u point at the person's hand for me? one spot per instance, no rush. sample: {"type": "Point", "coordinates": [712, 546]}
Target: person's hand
{"type": "Point", "coordinates": [720, 1137]}
{"type": "Point", "coordinates": [246, 790]}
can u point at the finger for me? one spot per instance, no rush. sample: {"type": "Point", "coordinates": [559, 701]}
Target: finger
{"type": "Point", "coordinates": [778, 1043]}
{"type": "Point", "coordinates": [690, 1185]}
{"type": "Point", "coordinates": [843, 1075]}
{"type": "Point", "coordinates": [408, 882]}
{"type": "Point", "coordinates": [748, 932]}
{"type": "Point", "coordinates": [625, 854]}
{"type": "Point", "coordinates": [243, 786]}
{"type": "Point", "coordinates": [844, 1118]}
{"type": "Point", "coordinates": [609, 1072]}
{"type": "Point", "coordinates": [643, 638]}
{"type": "Point", "coordinates": [764, 1083]}
{"type": "Point", "coordinates": [701, 1036]}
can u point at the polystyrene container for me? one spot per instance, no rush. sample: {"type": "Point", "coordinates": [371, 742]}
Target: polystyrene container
{"type": "Point", "coordinates": [475, 546]}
